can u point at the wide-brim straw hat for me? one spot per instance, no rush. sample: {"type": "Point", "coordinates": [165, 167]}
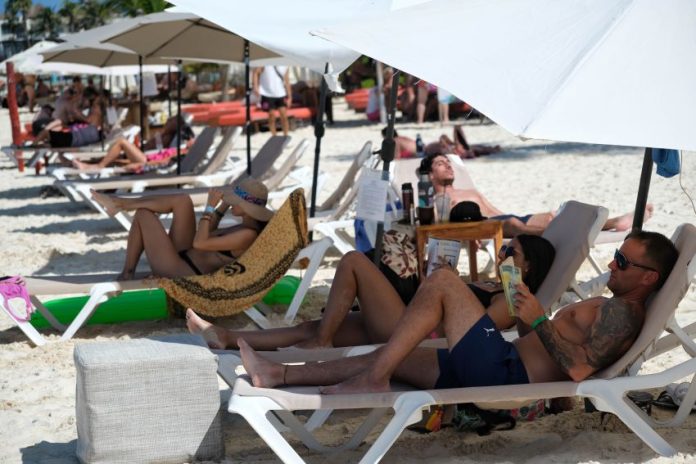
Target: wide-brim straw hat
{"type": "Point", "coordinates": [252, 196]}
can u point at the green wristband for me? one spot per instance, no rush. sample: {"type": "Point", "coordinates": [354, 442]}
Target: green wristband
{"type": "Point", "coordinates": [538, 321]}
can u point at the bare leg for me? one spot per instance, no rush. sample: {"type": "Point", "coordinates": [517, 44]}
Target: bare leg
{"type": "Point", "coordinates": [625, 222]}
{"type": "Point", "coordinates": [442, 298]}
{"type": "Point", "coordinates": [272, 121]}
{"type": "Point", "coordinates": [133, 153]}
{"type": "Point", "coordinates": [380, 305]}
{"type": "Point", "coordinates": [419, 369]}
{"type": "Point", "coordinates": [146, 226]}
{"type": "Point", "coordinates": [161, 249]}
{"type": "Point", "coordinates": [284, 123]}
{"type": "Point", "coordinates": [443, 112]}
{"type": "Point", "coordinates": [422, 98]}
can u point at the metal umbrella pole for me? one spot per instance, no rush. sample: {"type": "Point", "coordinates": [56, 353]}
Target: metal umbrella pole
{"type": "Point", "coordinates": [178, 118]}
{"type": "Point", "coordinates": [169, 89]}
{"type": "Point", "coordinates": [142, 104]}
{"type": "Point", "coordinates": [643, 187]}
{"type": "Point", "coordinates": [247, 122]}
{"type": "Point", "coordinates": [387, 155]}
{"type": "Point", "coordinates": [318, 134]}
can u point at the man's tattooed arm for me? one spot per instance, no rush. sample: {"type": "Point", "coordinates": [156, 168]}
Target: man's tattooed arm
{"type": "Point", "coordinates": [610, 336]}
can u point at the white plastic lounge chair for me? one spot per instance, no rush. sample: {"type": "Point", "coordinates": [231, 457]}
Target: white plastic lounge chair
{"type": "Point", "coordinates": [607, 390]}
{"type": "Point", "coordinates": [571, 232]}
{"type": "Point", "coordinates": [102, 287]}
{"type": "Point", "coordinates": [50, 153]}
{"type": "Point", "coordinates": [331, 219]}
{"type": "Point", "coordinates": [191, 164]}
{"type": "Point", "coordinates": [271, 149]}
{"type": "Point", "coordinates": [272, 178]}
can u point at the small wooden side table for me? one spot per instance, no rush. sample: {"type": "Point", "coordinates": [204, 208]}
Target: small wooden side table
{"type": "Point", "coordinates": [462, 231]}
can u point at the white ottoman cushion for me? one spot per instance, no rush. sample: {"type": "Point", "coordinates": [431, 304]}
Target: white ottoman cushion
{"type": "Point", "coordinates": [147, 400]}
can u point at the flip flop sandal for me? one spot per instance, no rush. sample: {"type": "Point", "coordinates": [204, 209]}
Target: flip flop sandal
{"type": "Point", "coordinates": [665, 400]}
{"type": "Point", "coordinates": [15, 299]}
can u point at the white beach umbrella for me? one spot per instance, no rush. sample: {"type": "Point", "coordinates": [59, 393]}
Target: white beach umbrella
{"type": "Point", "coordinates": [618, 72]}
{"type": "Point", "coordinates": [581, 71]}
{"type": "Point", "coordinates": [284, 27]}
{"type": "Point", "coordinates": [24, 61]}
{"type": "Point", "coordinates": [190, 37]}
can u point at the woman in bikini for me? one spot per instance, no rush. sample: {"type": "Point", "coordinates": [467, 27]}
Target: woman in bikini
{"type": "Point", "coordinates": [185, 250]}
{"type": "Point", "coordinates": [380, 305]}
{"type": "Point", "coordinates": [128, 156]}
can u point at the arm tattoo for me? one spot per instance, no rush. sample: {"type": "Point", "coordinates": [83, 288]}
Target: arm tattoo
{"type": "Point", "coordinates": [617, 327]}
{"type": "Point", "coordinates": [562, 351]}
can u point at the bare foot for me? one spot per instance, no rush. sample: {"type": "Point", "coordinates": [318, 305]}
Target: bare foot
{"type": "Point", "coordinates": [106, 202]}
{"type": "Point", "coordinates": [213, 336]}
{"type": "Point", "coordinates": [625, 222]}
{"type": "Point", "coordinates": [263, 373]}
{"type": "Point", "coordinates": [358, 384]}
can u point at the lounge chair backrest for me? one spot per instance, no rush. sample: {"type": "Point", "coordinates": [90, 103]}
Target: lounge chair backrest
{"type": "Point", "coordinates": [222, 151]}
{"type": "Point", "coordinates": [348, 180]}
{"type": "Point", "coordinates": [268, 155]}
{"type": "Point", "coordinates": [276, 177]}
{"type": "Point", "coordinates": [662, 305]}
{"type": "Point", "coordinates": [198, 150]}
{"type": "Point", "coordinates": [572, 233]}
{"type": "Point", "coordinates": [405, 171]}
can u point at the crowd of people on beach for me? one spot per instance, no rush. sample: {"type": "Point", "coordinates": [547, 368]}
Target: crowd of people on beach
{"type": "Point", "coordinates": [578, 341]}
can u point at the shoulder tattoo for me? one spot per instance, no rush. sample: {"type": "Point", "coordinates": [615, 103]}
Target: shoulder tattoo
{"type": "Point", "coordinates": [617, 326]}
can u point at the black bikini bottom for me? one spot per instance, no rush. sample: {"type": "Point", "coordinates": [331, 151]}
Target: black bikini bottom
{"type": "Point", "coordinates": [183, 254]}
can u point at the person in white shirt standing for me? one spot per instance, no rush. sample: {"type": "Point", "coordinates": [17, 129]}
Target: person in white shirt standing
{"type": "Point", "coordinates": [272, 84]}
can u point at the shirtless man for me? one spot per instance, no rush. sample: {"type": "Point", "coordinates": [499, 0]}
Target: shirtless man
{"type": "Point", "coordinates": [442, 177]}
{"type": "Point", "coordinates": [581, 339]}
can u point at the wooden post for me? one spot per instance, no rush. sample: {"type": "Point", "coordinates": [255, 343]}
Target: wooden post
{"type": "Point", "coordinates": [14, 112]}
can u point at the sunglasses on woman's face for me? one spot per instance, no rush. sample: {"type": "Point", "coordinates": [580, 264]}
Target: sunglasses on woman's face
{"type": "Point", "coordinates": [622, 262]}
{"type": "Point", "coordinates": [506, 251]}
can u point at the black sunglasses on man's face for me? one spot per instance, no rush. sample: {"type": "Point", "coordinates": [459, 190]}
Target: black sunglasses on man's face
{"type": "Point", "coordinates": [622, 262]}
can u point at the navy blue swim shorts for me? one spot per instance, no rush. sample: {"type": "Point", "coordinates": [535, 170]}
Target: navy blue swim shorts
{"type": "Point", "coordinates": [481, 358]}
{"type": "Point", "coordinates": [503, 217]}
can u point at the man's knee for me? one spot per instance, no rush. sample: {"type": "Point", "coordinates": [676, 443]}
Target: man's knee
{"type": "Point", "coordinates": [353, 259]}
{"type": "Point", "coordinates": [443, 278]}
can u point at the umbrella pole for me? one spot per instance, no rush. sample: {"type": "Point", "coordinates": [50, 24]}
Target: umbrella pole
{"type": "Point", "coordinates": [142, 104]}
{"type": "Point", "coordinates": [387, 154]}
{"type": "Point", "coordinates": [14, 112]}
{"type": "Point", "coordinates": [169, 89]}
{"type": "Point", "coordinates": [178, 119]}
{"type": "Point", "coordinates": [318, 134]}
{"type": "Point", "coordinates": [247, 96]}
{"type": "Point", "coordinates": [643, 188]}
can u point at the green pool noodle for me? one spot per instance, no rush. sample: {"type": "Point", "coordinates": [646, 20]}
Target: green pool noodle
{"type": "Point", "coordinates": [141, 305]}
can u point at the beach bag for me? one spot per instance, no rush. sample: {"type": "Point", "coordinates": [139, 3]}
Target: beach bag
{"type": "Point", "coordinates": [15, 298]}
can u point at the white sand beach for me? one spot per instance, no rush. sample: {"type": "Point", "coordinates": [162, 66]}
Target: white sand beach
{"type": "Point", "coordinates": [53, 236]}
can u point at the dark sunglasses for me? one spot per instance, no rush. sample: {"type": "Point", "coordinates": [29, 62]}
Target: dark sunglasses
{"type": "Point", "coordinates": [622, 262]}
{"type": "Point", "coordinates": [507, 251]}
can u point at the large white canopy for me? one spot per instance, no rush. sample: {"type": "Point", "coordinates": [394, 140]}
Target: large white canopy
{"type": "Point", "coordinates": [283, 26]}
{"type": "Point", "coordinates": [29, 57]}
{"type": "Point", "coordinates": [619, 72]}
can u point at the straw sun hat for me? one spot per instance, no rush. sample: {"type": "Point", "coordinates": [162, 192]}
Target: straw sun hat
{"type": "Point", "coordinates": [251, 195]}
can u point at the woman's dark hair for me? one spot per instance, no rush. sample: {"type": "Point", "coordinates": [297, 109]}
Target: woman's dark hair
{"type": "Point", "coordinates": [539, 254]}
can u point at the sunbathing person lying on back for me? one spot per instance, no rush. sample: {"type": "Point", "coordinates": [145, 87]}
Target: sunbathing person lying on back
{"type": "Point", "coordinates": [441, 173]}
{"type": "Point", "coordinates": [581, 338]}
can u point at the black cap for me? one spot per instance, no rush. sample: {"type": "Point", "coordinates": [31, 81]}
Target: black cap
{"type": "Point", "coordinates": [466, 211]}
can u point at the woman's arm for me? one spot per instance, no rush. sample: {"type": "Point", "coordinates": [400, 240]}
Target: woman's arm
{"type": "Point", "coordinates": [238, 240]}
